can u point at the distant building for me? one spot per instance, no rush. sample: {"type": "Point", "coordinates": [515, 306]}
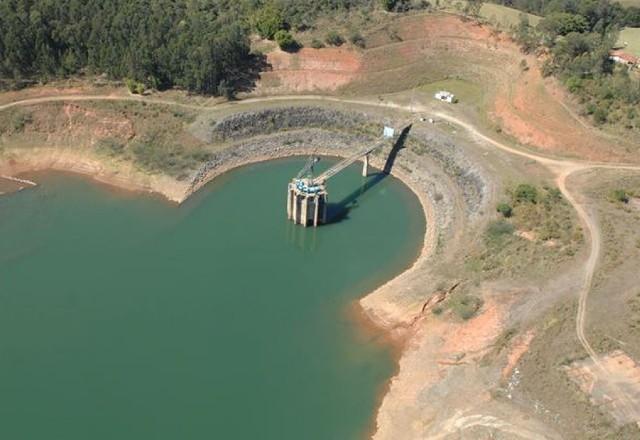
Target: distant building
{"type": "Point", "coordinates": [445, 96]}
{"type": "Point", "coordinates": [622, 57]}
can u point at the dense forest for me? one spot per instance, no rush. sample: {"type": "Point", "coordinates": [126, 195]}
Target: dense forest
{"type": "Point", "coordinates": [578, 36]}
{"type": "Point", "coordinates": [200, 45]}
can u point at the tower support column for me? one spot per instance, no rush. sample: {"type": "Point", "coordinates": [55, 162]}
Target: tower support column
{"type": "Point", "coordinates": [290, 196]}
{"type": "Point", "coordinates": [305, 208]}
{"type": "Point", "coordinates": [316, 208]}
{"type": "Point", "coordinates": [295, 208]}
{"type": "Point", "coordinates": [325, 199]}
{"type": "Point", "coordinates": [365, 166]}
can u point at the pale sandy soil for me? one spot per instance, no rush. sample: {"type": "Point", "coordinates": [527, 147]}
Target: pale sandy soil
{"type": "Point", "coordinates": [120, 174]}
{"type": "Point", "coordinates": [603, 385]}
{"type": "Point", "coordinates": [442, 365]}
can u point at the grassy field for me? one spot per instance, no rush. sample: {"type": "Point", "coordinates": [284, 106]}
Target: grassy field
{"type": "Point", "coordinates": [631, 36]}
{"type": "Point", "coordinates": [505, 17]}
{"type": "Point", "coordinates": [628, 3]}
{"type": "Point", "coordinates": [467, 92]}
{"type": "Point", "coordinates": [501, 16]}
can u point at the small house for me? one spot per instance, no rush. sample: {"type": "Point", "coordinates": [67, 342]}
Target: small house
{"type": "Point", "coordinates": [445, 96]}
{"type": "Point", "coordinates": [622, 57]}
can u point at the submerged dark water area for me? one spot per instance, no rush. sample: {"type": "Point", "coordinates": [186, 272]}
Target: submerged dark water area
{"type": "Point", "coordinates": [126, 317]}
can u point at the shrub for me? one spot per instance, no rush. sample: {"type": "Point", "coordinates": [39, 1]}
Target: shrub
{"type": "Point", "coordinates": [334, 39]}
{"type": "Point", "coordinates": [600, 115]}
{"type": "Point", "coordinates": [286, 41]}
{"type": "Point", "coordinates": [388, 5]}
{"type": "Point", "coordinates": [553, 195]}
{"type": "Point", "coordinates": [620, 195]}
{"type": "Point", "coordinates": [134, 86]}
{"type": "Point", "coordinates": [317, 44]}
{"type": "Point", "coordinates": [110, 146]}
{"type": "Point", "coordinates": [357, 40]}
{"type": "Point", "coordinates": [505, 209]}
{"type": "Point", "coordinates": [497, 231]}
{"type": "Point", "coordinates": [466, 306]}
{"type": "Point", "coordinates": [525, 193]}
{"type": "Point", "coordinates": [19, 120]}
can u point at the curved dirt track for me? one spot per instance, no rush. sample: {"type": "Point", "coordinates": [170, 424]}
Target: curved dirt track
{"type": "Point", "coordinates": [560, 168]}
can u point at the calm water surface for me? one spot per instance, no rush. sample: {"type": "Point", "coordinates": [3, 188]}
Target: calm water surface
{"type": "Point", "coordinates": [125, 317]}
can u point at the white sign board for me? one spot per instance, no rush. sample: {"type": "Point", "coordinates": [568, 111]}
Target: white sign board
{"type": "Point", "coordinates": [388, 132]}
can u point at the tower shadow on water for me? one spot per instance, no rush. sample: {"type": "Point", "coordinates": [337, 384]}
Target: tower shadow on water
{"type": "Point", "coordinates": [339, 211]}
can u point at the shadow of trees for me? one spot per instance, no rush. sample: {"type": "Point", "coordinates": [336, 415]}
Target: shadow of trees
{"type": "Point", "coordinates": [249, 73]}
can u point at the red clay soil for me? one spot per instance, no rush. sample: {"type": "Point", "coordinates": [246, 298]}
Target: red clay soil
{"type": "Point", "coordinates": [532, 111]}
{"type": "Point", "coordinates": [309, 70]}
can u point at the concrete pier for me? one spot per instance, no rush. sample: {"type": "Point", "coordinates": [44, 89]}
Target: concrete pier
{"type": "Point", "coordinates": [365, 166]}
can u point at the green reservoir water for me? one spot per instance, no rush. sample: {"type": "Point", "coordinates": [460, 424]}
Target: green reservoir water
{"type": "Point", "coordinates": [125, 317]}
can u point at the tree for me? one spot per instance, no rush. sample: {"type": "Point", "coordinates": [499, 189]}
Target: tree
{"type": "Point", "coordinates": [268, 21]}
{"type": "Point", "coordinates": [505, 209]}
{"type": "Point", "coordinates": [562, 23]}
{"type": "Point", "coordinates": [525, 35]}
{"type": "Point", "coordinates": [225, 88]}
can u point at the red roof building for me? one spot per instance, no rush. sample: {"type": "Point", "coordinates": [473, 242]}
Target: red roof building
{"type": "Point", "coordinates": [623, 57]}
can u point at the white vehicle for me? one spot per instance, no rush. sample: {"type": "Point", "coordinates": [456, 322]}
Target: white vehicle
{"type": "Point", "coordinates": [445, 96]}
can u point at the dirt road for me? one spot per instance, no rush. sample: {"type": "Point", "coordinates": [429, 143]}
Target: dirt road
{"type": "Point", "coordinates": [562, 169]}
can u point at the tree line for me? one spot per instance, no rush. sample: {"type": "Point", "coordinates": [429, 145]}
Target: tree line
{"type": "Point", "coordinates": [592, 10]}
{"type": "Point", "coordinates": [200, 45]}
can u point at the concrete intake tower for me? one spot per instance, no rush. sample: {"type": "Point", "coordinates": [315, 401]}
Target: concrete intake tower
{"type": "Point", "coordinates": [307, 197]}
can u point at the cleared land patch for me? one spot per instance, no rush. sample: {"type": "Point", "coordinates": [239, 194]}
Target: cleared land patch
{"type": "Point", "coordinates": [630, 40]}
{"type": "Point", "coordinates": [622, 372]}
